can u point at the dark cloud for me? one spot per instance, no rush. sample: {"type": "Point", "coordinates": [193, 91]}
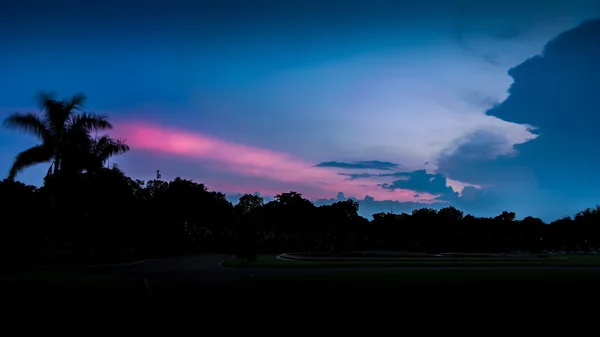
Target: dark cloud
{"type": "Point", "coordinates": [558, 93]}
{"type": "Point", "coordinates": [560, 82]}
{"type": "Point", "coordinates": [419, 181]}
{"type": "Point", "coordinates": [422, 182]}
{"type": "Point", "coordinates": [363, 165]}
{"type": "Point", "coordinates": [352, 176]}
{"type": "Point", "coordinates": [469, 160]}
{"type": "Point", "coordinates": [482, 144]}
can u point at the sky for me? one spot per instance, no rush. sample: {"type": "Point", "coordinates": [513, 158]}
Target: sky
{"type": "Point", "coordinates": [484, 105]}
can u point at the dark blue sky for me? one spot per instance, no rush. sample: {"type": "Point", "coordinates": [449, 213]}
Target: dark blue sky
{"type": "Point", "coordinates": [251, 95]}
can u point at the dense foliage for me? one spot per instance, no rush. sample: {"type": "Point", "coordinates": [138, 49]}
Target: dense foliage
{"type": "Point", "coordinates": [106, 216]}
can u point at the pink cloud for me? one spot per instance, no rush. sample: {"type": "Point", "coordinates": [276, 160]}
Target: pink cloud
{"type": "Point", "coordinates": [252, 161]}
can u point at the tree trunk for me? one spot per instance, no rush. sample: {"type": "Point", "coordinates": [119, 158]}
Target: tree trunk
{"type": "Point", "coordinates": [56, 161]}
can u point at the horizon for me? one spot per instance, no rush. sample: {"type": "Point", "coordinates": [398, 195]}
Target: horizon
{"type": "Point", "coordinates": [399, 107]}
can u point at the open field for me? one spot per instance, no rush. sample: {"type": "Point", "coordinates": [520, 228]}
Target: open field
{"type": "Point", "coordinates": [199, 278]}
{"type": "Point", "coordinates": [271, 261]}
{"type": "Point", "coordinates": [392, 279]}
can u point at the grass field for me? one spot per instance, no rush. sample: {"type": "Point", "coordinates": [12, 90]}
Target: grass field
{"type": "Point", "coordinates": [271, 261]}
{"type": "Point", "coordinates": [378, 280]}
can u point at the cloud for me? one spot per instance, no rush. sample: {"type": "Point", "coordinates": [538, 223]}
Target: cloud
{"type": "Point", "coordinates": [480, 145]}
{"type": "Point", "coordinates": [365, 175]}
{"type": "Point", "coordinates": [419, 179]}
{"type": "Point", "coordinates": [468, 197]}
{"type": "Point", "coordinates": [479, 100]}
{"type": "Point", "coordinates": [556, 92]}
{"type": "Point", "coordinates": [504, 33]}
{"type": "Point", "coordinates": [478, 201]}
{"type": "Point", "coordinates": [397, 107]}
{"type": "Point", "coordinates": [364, 165]}
{"type": "Point", "coordinates": [244, 160]}
{"type": "Point", "coordinates": [422, 182]}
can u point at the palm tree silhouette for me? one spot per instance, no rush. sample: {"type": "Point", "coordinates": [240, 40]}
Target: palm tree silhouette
{"type": "Point", "coordinates": [91, 155]}
{"type": "Point", "coordinates": [64, 131]}
{"type": "Point", "coordinates": [103, 148]}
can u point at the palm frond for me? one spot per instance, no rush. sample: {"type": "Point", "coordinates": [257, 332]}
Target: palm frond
{"type": "Point", "coordinates": [54, 110]}
{"type": "Point", "coordinates": [106, 147]}
{"type": "Point", "coordinates": [28, 122]}
{"type": "Point", "coordinates": [45, 99]}
{"type": "Point", "coordinates": [75, 103]}
{"type": "Point", "coordinates": [34, 155]}
{"type": "Point", "coordinates": [89, 121]}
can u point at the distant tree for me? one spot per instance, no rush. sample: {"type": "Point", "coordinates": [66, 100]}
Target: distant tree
{"type": "Point", "coordinates": [347, 209]}
{"type": "Point", "coordinates": [424, 212]}
{"type": "Point", "coordinates": [291, 198]}
{"type": "Point", "coordinates": [248, 203]}
{"type": "Point", "coordinates": [155, 188]}
{"type": "Point", "coordinates": [506, 216]}
{"type": "Point", "coordinates": [531, 221]}
{"type": "Point", "coordinates": [450, 213]}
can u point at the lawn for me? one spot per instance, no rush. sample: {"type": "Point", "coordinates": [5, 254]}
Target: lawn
{"type": "Point", "coordinates": [271, 261]}
{"type": "Point", "coordinates": [379, 280]}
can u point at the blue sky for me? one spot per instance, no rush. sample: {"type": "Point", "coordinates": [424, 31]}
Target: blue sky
{"type": "Point", "coordinates": [252, 96]}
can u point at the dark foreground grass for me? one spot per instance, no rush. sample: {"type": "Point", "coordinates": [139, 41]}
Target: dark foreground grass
{"type": "Point", "coordinates": [379, 280]}
{"type": "Point", "coordinates": [62, 279]}
{"type": "Point", "coordinates": [271, 261]}
{"type": "Point", "coordinates": [49, 286]}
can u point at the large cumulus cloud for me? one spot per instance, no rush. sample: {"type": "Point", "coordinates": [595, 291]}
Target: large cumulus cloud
{"type": "Point", "coordinates": [556, 92]}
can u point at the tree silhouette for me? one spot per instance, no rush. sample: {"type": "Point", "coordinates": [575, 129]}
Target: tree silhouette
{"type": "Point", "coordinates": [248, 203]}
{"type": "Point", "coordinates": [63, 129]}
{"type": "Point", "coordinates": [92, 154]}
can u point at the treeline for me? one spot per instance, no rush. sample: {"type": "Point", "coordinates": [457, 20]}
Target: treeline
{"type": "Point", "coordinates": [106, 216]}
{"type": "Point", "coordinates": [86, 212]}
